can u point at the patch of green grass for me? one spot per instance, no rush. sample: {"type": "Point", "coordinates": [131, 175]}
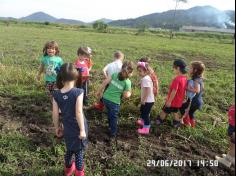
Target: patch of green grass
{"type": "Point", "coordinates": [20, 51]}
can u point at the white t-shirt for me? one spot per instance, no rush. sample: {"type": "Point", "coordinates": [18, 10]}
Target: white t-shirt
{"type": "Point", "coordinates": [114, 67]}
{"type": "Point", "coordinates": [147, 82]}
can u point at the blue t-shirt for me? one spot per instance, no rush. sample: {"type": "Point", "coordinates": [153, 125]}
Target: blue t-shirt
{"type": "Point", "coordinates": [190, 94]}
{"type": "Point", "coordinates": [67, 102]}
{"type": "Point", "coordinates": [51, 64]}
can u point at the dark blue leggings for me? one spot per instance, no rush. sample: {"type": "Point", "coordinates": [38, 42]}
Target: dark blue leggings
{"type": "Point", "coordinates": [145, 113]}
{"type": "Point", "coordinates": [78, 159]}
{"type": "Point", "coordinates": [193, 108]}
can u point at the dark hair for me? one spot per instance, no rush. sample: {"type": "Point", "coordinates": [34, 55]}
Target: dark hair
{"type": "Point", "coordinates": [68, 72]}
{"type": "Point", "coordinates": [181, 64]}
{"type": "Point", "coordinates": [118, 55]}
{"type": "Point", "coordinates": [144, 59]}
{"type": "Point", "coordinates": [198, 69]}
{"type": "Point", "coordinates": [127, 68]}
{"type": "Point", "coordinates": [51, 44]}
{"type": "Point", "coordinates": [83, 51]}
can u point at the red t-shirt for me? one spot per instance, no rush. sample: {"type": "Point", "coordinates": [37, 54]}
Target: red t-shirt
{"type": "Point", "coordinates": [231, 115]}
{"type": "Point", "coordinates": [179, 84]}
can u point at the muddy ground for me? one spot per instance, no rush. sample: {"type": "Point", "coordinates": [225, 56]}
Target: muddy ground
{"type": "Point", "coordinates": [162, 144]}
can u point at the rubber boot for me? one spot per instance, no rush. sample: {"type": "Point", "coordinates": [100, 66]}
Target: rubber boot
{"type": "Point", "coordinates": [99, 106]}
{"type": "Point", "coordinates": [69, 171]}
{"type": "Point", "coordinates": [186, 121]}
{"type": "Point", "coordinates": [140, 122]}
{"type": "Point", "coordinates": [79, 173]}
{"type": "Point", "coordinates": [193, 123]}
{"type": "Point", "coordinates": [145, 130]}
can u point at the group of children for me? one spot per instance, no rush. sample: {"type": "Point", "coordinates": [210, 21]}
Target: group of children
{"type": "Point", "coordinates": [68, 86]}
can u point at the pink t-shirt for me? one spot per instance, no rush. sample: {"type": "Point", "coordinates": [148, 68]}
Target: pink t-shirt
{"type": "Point", "coordinates": [179, 84]}
{"type": "Point", "coordinates": [84, 66]}
{"type": "Point", "coordinates": [231, 114]}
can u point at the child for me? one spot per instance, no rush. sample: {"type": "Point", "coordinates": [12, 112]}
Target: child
{"type": "Point", "coordinates": [70, 100]}
{"type": "Point", "coordinates": [115, 66]}
{"type": "Point", "coordinates": [194, 93]}
{"type": "Point", "coordinates": [119, 85]}
{"type": "Point", "coordinates": [152, 75]}
{"type": "Point", "coordinates": [50, 63]}
{"type": "Point", "coordinates": [229, 159]}
{"type": "Point", "coordinates": [147, 97]}
{"type": "Point", "coordinates": [108, 70]}
{"type": "Point", "coordinates": [84, 65]}
{"type": "Point", "coordinates": [176, 94]}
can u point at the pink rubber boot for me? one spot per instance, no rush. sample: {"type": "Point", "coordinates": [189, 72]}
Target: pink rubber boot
{"type": "Point", "coordinates": [79, 173]}
{"type": "Point", "coordinates": [140, 122]}
{"type": "Point", "coordinates": [144, 130]}
{"type": "Point", "coordinates": [193, 123]}
{"type": "Point", "coordinates": [69, 171]}
{"type": "Point", "coordinates": [186, 121]}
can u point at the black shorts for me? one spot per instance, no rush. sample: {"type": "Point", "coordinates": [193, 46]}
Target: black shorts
{"type": "Point", "coordinates": [231, 130]}
{"type": "Point", "coordinates": [169, 110]}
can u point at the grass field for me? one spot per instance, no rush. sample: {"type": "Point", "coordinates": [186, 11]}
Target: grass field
{"type": "Point", "coordinates": [27, 143]}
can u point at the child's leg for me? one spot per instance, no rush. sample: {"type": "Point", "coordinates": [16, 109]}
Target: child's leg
{"type": "Point", "coordinates": [145, 115]}
{"type": "Point", "coordinates": [177, 116]}
{"type": "Point", "coordinates": [184, 107]}
{"type": "Point", "coordinates": [114, 118]}
{"type": "Point", "coordinates": [113, 112]}
{"type": "Point", "coordinates": [192, 110]}
{"type": "Point", "coordinates": [85, 88]}
{"type": "Point", "coordinates": [142, 111]}
{"type": "Point", "coordinates": [68, 158]}
{"type": "Point", "coordinates": [232, 145]}
{"type": "Point", "coordinates": [79, 160]}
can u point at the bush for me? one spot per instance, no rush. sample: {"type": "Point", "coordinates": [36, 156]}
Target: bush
{"type": "Point", "coordinates": [100, 26]}
{"type": "Point", "coordinates": [46, 23]}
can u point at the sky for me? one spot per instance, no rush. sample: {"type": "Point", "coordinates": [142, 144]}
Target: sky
{"type": "Point", "coordinates": [90, 10]}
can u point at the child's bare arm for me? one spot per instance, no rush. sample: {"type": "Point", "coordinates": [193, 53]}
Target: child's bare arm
{"type": "Point", "coordinates": [195, 89]}
{"type": "Point", "coordinates": [105, 72]}
{"type": "Point", "coordinates": [146, 92]}
{"type": "Point", "coordinates": [103, 86]}
{"type": "Point", "coordinates": [80, 116]}
{"type": "Point", "coordinates": [41, 70]}
{"type": "Point", "coordinates": [172, 96]}
{"type": "Point", "coordinates": [55, 115]}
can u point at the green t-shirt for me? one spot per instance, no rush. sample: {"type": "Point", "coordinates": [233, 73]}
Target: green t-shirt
{"type": "Point", "coordinates": [116, 89]}
{"type": "Point", "coordinates": [50, 65]}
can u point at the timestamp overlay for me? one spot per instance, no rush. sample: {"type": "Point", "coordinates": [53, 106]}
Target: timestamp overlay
{"type": "Point", "coordinates": [182, 163]}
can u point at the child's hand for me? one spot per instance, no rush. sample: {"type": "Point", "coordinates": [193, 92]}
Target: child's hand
{"type": "Point", "coordinates": [38, 77]}
{"type": "Point", "coordinates": [168, 104]}
{"type": "Point", "coordinates": [99, 95]}
{"type": "Point", "coordinates": [82, 135]}
{"type": "Point", "coordinates": [59, 132]}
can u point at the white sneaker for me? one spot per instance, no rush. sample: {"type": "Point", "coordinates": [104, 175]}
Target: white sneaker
{"type": "Point", "coordinates": [224, 155]}
{"type": "Point", "coordinates": [223, 161]}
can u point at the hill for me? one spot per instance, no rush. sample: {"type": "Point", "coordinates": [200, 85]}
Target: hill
{"type": "Point", "coordinates": [43, 17]}
{"type": "Point", "coordinates": [196, 16]}
{"type": "Point", "coordinates": [39, 17]}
